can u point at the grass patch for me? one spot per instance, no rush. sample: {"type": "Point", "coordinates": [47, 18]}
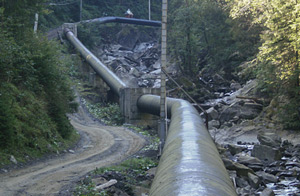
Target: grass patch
{"type": "Point", "coordinates": [108, 113]}
{"type": "Point", "coordinates": [132, 172]}
{"type": "Point", "coordinates": [38, 150]}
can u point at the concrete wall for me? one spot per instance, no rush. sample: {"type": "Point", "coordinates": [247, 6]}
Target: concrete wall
{"type": "Point", "coordinates": [129, 109]}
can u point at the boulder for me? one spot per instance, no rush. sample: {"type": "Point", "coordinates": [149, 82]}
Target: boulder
{"type": "Point", "coordinates": [266, 153]}
{"type": "Point", "coordinates": [248, 160]}
{"type": "Point", "coordinates": [269, 139]}
{"type": "Point", "coordinates": [267, 192]}
{"type": "Point", "coordinates": [212, 113]}
{"type": "Point", "coordinates": [133, 71]}
{"type": "Point", "coordinates": [267, 178]}
{"type": "Point", "coordinates": [240, 109]}
{"type": "Point", "coordinates": [292, 163]}
{"type": "Point", "coordinates": [156, 83]}
{"type": "Point", "coordinates": [241, 169]}
{"type": "Point", "coordinates": [156, 65]}
{"type": "Point", "coordinates": [253, 180]}
{"type": "Point", "coordinates": [13, 159]}
{"type": "Point", "coordinates": [241, 182]}
{"type": "Point", "coordinates": [235, 86]}
{"type": "Point", "coordinates": [213, 124]}
{"type": "Point", "coordinates": [144, 83]}
{"type": "Point", "coordinates": [234, 149]}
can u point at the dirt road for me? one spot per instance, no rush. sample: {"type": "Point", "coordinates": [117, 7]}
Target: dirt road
{"type": "Point", "coordinates": [100, 146]}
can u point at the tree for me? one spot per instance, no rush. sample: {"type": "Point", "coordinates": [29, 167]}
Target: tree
{"type": "Point", "coordinates": [200, 35]}
{"type": "Point", "coordinates": [34, 92]}
{"type": "Point", "coordinates": [278, 68]}
{"type": "Point", "coordinates": [279, 54]}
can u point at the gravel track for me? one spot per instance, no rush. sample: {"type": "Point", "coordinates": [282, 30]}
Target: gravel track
{"type": "Point", "coordinates": [99, 146]}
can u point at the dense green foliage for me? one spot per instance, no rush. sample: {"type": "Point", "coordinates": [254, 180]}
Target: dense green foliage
{"type": "Point", "coordinates": [278, 57]}
{"type": "Point", "coordinates": [109, 114]}
{"type": "Point", "coordinates": [202, 35]}
{"type": "Point", "coordinates": [34, 91]}
{"type": "Point", "coordinates": [220, 35]}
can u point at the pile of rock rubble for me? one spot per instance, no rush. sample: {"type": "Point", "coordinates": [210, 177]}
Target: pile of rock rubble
{"type": "Point", "coordinates": [270, 167]}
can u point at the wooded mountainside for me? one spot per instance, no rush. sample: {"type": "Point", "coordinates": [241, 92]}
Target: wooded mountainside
{"type": "Point", "coordinates": [35, 94]}
{"type": "Point", "coordinates": [203, 35]}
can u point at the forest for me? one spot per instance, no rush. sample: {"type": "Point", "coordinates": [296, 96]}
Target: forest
{"type": "Point", "coordinates": [218, 35]}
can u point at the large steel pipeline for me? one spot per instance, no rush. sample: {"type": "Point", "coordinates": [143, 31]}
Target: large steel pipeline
{"type": "Point", "coordinates": [124, 20]}
{"type": "Point", "coordinates": [105, 73]}
{"type": "Point", "coordinates": [190, 164]}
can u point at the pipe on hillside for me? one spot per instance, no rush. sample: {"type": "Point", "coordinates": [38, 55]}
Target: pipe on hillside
{"type": "Point", "coordinates": [190, 163]}
{"type": "Point", "coordinates": [105, 73]}
{"type": "Point", "coordinates": [124, 20]}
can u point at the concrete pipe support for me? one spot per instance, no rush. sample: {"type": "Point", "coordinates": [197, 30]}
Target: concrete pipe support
{"type": "Point", "coordinates": [104, 72]}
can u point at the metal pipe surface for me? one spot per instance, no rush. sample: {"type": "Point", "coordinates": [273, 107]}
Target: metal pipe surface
{"type": "Point", "coordinates": [190, 164]}
{"type": "Point", "coordinates": [106, 74]}
{"type": "Point", "coordinates": [124, 20]}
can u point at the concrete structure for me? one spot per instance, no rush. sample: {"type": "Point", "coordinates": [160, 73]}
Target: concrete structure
{"type": "Point", "coordinates": [129, 109]}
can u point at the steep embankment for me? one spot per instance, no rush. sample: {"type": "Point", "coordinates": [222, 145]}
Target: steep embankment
{"type": "Point", "coordinates": [100, 146]}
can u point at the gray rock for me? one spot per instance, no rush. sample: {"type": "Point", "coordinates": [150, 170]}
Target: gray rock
{"type": "Point", "coordinates": [254, 180]}
{"type": "Point", "coordinates": [241, 169]}
{"type": "Point", "coordinates": [248, 160]}
{"type": "Point", "coordinates": [156, 72]}
{"type": "Point", "coordinates": [245, 191]}
{"type": "Point", "coordinates": [133, 71]}
{"type": "Point", "coordinates": [267, 192]}
{"type": "Point", "coordinates": [241, 182]}
{"type": "Point", "coordinates": [269, 139]}
{"type": "Point", "coordinates": [156, 83]}
{"type": "Point", "coordinates": [144, 83]}
{"type": "Point", "coordinates": [13, 159]}
{"type": "Point", "coordinates": [292, 163]}
{"type": "Point", "coordinates": [4, 170]}
{"type": "Point", "coordinates": [212, 113]}
{"type": "Point", "coordinates": [267, 178]}
{"type": "Point", "coordinates": [71, 151]}
{"type": "Point", "coordinates": [238, 109]}
{"type": "Point", "coordinates": [266, 153]}
{"type": "Point", "coordinates": [213, 124]}
{"type": "Point", "coordinates": [235, 86]}
{"type": "Point", "coordinates": [234, 149]}
{"type": "Point", "coordinates": [156, 65]}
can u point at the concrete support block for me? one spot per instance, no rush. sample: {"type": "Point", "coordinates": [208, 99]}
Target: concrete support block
{"type": "Point", "coordinates": [129, 109]}
{"type": "Point", "coordinates": [71, 26]}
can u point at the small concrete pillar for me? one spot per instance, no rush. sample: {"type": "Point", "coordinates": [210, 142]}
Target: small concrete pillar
{"type": "Point", "coordinates": [129, 109]}
{"type": "Point", "coordinates": [71, 26]}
